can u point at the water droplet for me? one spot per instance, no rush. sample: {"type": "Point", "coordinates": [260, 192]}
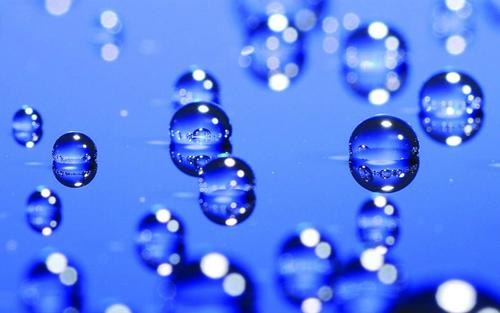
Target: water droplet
{"type": "Point", "coordinates": [44, 211]}
{"type": "Point", "coordinates": [375, 62]}
{"type": "Point", "coordinates": [275, 57]}
{"type": "Point", "coordinates": [212, 284]}
{"type": "Point", "coordinates": [27, 126]}
{"type": "Point", "coordinates": [74, 159]}
{"type": "Point", "coordinates": [454, 23]}
{"type": "Point", "coordinates": [110, 36]}
{"type": "Point", "coordinates": [378, 223]}
{"type": "Point", "coordinates": [227, 194]}
{"type": "Point", "coordinates": [190, 159]}
{"type": "Point", "coordinates": [307, 266]}
{"type": "Point", "coordinates": [160, 240]}
{"type": "Point", "coordinates": [196, 85]}
{"type": "Point", "coordinates": [360, 290]}
{"type": "Point", "coordinates": [52, 285]}
{"type": "Point", "coordinates": [451, 107]}
{"type": "Point", "coordinates": [200, 123]}
{"type": "Point", "coordinates": [392, 160]}
{"type": "Point", "coordinates": [303, 14]}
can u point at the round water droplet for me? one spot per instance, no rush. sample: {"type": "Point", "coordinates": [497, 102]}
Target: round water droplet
{"type": "Point", "coordinates": [307, 266]}
{"type": "Point", "coordinates": [190, 159]}
{"type": "Point", "coordinates": [451, 107]}
{"type": "Point", "coordinates": [303, 14]}
{"type": "Point", "coordinates": [27, 127]}
{"type": "Point", "coordinates": [359, 290]}
{"type": "Point", "coordinates": [44, 211]}
{"type": "Point", "coordinates": [212, 284]}
{"type": "Point", "coordinates": [52, 285]}
{"type": "Point", "coordinates": [74, 159]}
{"type": "Point", "coordinates": [200, 123]}
{"type": "Point", "coordinates": [275, 57]}
{"type": "Point", "coordinates": [160, 240]}
{"type": "Point", "coordinates": [378, 223]}
{"type": "Point", "coordinates": [109, 35]}
{"type": "Point", "coordinates": [454, 296]}
{"type": "Point", "coordinates": [227, 194]}
{"type": "Point", "coordinates": [195, 85]}
{"type": "Point", "coordinates": [375, 62]}
{"type": "Point", "coordinates": [389, 160]}
{"type": "Point", "coordinates": [454, 23]}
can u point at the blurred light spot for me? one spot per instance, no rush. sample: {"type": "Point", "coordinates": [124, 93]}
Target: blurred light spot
{"type": "Point", "coordinates": [278, 82]}
{"type": "Point", "coordinates": [456, 44]}
{"type": "Point", "coordinates": [330, 24]}
{"type": "Point", "coordinates": [311, 305]}
{"type": "Point", "coordinates": [378, 96]}
{"type": "Point", "coordinates": [350, 21]}
{"type": "Point", "coordinates": [56, 263]}
{"type": "Point", "coordinates": [378, 30]}
{"type": "Point", "coordinates": [109, 19]}
{"type": "Point", "coordinates": [234, 284]}
{"type": "Point", "coordinates": [123, 113]}
{"type": "Point", "coordinates": [202, 108]}
{"type": "Point", "coordinates": [69, 277]}
{"type": "Point", "coordinates": [309, 237]}
{"type": "Point", "coordinates": [388, 274]}
{"type": "Point", "coordinates": [453, 141]}
{"type": "Point", "coordinates": [58, 7]}
{"type": "Point", "coordinates": [456, 296]}
{"type": "Point", "coordinates": [453, 77]}
{"type": "Point", "coordinates": [455, 5]}
{"type": "Point", "coordinates": [110, 52]}
{"type": "Point", "coordinates": [372, 260]}
{"type": "Point", "coordinates": [330, 44]}
{"type": "Point", "coordinates": [118, 308]}
{"type": "Point", "coordinates": [163, 215]}
{"type": "Point", "coordinates": [214, 265]}
{"type": "Point", "coordinates": [277, 22]}
{"type": "Point", "coordinates": [164, 269]}
{"type": "Point", "coordinates": [380, 201]}
{"type": "Point", "coordinates": [199, 75]}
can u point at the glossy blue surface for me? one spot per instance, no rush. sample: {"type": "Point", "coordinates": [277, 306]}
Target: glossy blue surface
{"type": "Point", "coordinates": [295, 141]}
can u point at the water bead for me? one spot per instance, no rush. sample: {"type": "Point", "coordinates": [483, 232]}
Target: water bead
{"type": "Point", "coordinates": [275, 57]}
{"type": "Point", "coordinates": [27, 126]}
{"type": "Point", "coordinates": [190, 159]}
{"type": "Point", "coordinates": [454, 24]}
{"type": "Point", "coordinates": [160, 240]}
{"type": "Point", "coordinates": [383, 154]}
{"type": "Point", "coordinates": [212, 284]}
{"type": "Point", "coordinates": [52, 286]}
{"type": "Point", "coordinates": [110, 36]}
{"type": "Point", "coordinates": [195, 85]}
{"type": "Point", "coordinates": [303, 14]}
{"type": "Point", "coordinates": [227, 194]}
{"type": "Point", "coordinates": [378, 224]}
{"type": "Point", "coordinates": [200, 123]}
{"type": "Point", "coordinates": [451, 107]}
{"type": "Point", "coordinates": [360, 290]}
{"type": "Point", "coordinates": [74, 159]}
{"type": "Point", "coordinates": [375, 62]}
{"type": "Point", "coordinates": [454, 295]}
{"type": "Point", "coordinates": [307, 266]}
{"type": "Point", "coordinates": [44, 211]}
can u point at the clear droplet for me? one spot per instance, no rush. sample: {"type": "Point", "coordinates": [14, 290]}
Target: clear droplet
{"type": "Point", "coordinates": [389, 159]}
{"type": "Point", "coordinates": [74, 159]}
{"type": "Point", "coordinates": [200, 123]}
{"type": "Point", "coordinates": [27, 126]}
{"type": "Point", "coordinates": [44, 211]}
{"type": "Point", "coordinates": [451, 107]}
{"type": "Point", "coordinates": [227, 194]}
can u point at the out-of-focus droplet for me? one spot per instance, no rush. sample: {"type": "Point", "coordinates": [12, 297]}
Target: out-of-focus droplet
{"type": "Point", "coordinates": [196, 85]}
{"type": "Point", "coordinates": [451, 107]}
{"type": "Point", "coordinates": [212, 284]}
{"type": "Point", "coordinates": [27, 126]}
{"type": "Point", "coordinates": [384, 154]}
{"type": "Point", "coordinates": [378, 224]}
{"type": "Point", "coordinates": [375, 62]}
{"type": "Point", "coordinates": [52, 286]}
{"type": "Point", "coordinates": [227, 194]}
{"type": "Point", "coordinates": [307, 266]}
{"type": "Point", "coordinates": [160, 241]}
{"type": "Point", "coordinates": [273, 56]}
{"type": "Point", "coordinates": [454, 24]}
{"type": "Point", "coordinates": [110, 35]}
{"type": "Point", "coordinates": [74, 159]}
{"type": "Point", "coordinates": [44, 211]}
{"type": "Point", "coordinates": [58, 7]}
{"type": "Point", "coordinates": [200, 123]}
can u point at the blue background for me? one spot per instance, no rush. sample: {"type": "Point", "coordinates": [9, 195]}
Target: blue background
{"type": "Point", "coordinates": [292, 140]}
